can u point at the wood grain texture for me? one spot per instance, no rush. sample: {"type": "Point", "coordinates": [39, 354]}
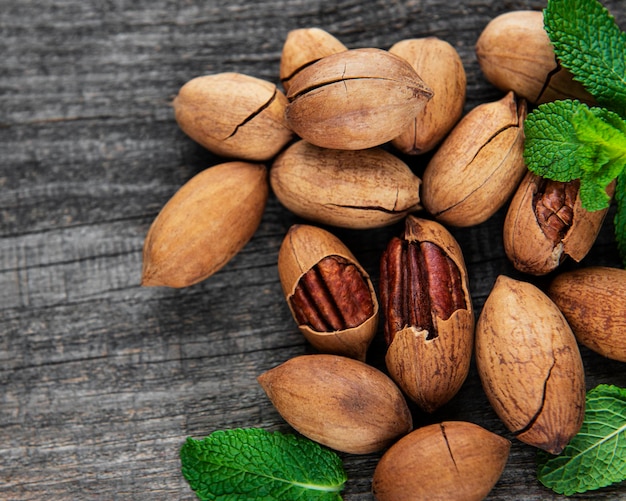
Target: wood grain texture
{"type": "Point", "coordinates": [101, 380]}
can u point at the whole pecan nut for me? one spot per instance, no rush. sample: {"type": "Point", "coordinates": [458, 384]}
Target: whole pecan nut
{"type": "Point", "coordinates": [329, 294]}
{"type": "Point", "coordinates": [429, 320]}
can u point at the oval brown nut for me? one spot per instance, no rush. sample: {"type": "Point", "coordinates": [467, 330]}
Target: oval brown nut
{"type": "Point", "coordinates": [355, 99]}
{"type": "Point", "coordinates": [302, 48]}
{"type": "Point", "coordinates": [529, 365]}
{"type": "Point", "coordinates": [207, 221]}
{"type": "Point", "coordinates": [429, 319]}
{"type": "Point", "coordinates": [440, 66]}
{"type": "Point", "coordinates": [479, 165]}
{"type": "Point", "coordinates": [593, 300]}
{"type": "Point", "coordinates": [350, 189]}
{"type": "Point", "coordinates": [449, 461]}
{"type": "Point", "coordinates": [339, 402]}
{"type": "Point", "coordinates": [330, 295]}
{"type": "Point", "coordinates": [545, 223]}
{"type": "Point", "coordinates": [515, 53]}
{"type": "Point", "coordinates": [234, 115]}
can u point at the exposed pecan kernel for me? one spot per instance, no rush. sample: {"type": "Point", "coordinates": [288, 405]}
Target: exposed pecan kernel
{"type": "Point", "coordinates": [333, 295]}
{"type": "Point", "coordinates": [418, 281]}
{"type": "Point", "coordinates": [554, 207]}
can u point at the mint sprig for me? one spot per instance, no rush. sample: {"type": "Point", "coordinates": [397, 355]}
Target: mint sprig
{"type": "Point", "coordinates": [596, 456]}
{"type": "Point", "coordinates": [568, 140]}
{"type": "Point", "coordinates": [589, 43]}
{"type": "Point", "coordinates": [253, 463]}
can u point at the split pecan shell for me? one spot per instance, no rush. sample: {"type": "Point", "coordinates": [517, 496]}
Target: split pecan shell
{"type": "Point", "coordinates": [429, 319]}
{"type": "Point", "coordinates": [330, 295]}
{"type": "Point", "coordinates": [546, 223]}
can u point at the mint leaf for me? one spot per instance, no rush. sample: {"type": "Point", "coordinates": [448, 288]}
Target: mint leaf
{"type": "Point", "coordinates": [620, 216]}
{"type": "Point", "coordinates": [253, 463]}
{"type": "Point", "coordinates": [596, 128]}
{"type": "Point", "coordinates": [596, 456]}
{"type": "Point", "coordinates": [552, 148]}
{"type": "Point", "coordinates": [589, 43]}
{"type": "Point", "coordinates": [568, 140]}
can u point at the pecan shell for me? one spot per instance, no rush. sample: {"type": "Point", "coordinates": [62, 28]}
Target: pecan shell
{"type": "Point", "coordinates": [303, 47]}
{"type": "Point", "coordinates": [479, 165]}
{"type": "Point", "coordinates": [593, 300]}
{"type": "Point", "coordinates": [530, 365]}
{"type": "Point", "coordinates": [515, 53]}
{"type": "Point", "coordinates": [329, 294]}
{"type": "Point", "coordinates": [349, 189]}
{"type": "Point", "coordinates": [545, 223]}
{"type": "Point", "coordinates": [355, 99]}
{"type": "Point", "coordinates": [429, 320]}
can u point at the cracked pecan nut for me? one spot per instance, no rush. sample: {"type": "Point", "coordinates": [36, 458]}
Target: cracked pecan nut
{"type": "Point", "coordinates": [479, 165]}
{"type": "Point", "coordinates": [545, 223]}
{"type": "Point", "coordinates": [593, 300]}
{"type": "Point", "coordinates": [234, 115]}
{"type": "Point", "coordinates": [355, 99]}
{"type": "Point", "coordinates": [350, 189]}
{"type": "Point", "coordinates": [515, 53]}
{"type": "Point", "coordinates": [303, 47]}
{"type": "Point", "coordinates": [429, 320]}
{"type": "Point", "coordinates": [453, 460]}
{"type": "Point", "coordinates": [530, 365]}
{"type": "Point", "coordinates": [330, 295]}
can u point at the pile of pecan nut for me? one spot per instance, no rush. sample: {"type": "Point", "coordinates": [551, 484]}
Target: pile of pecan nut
{"type": "Point", "coordinates": [329, 140]}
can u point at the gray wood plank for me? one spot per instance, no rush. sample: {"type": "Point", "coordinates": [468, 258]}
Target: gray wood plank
{"type": "Point", "coordinates": [101, 380]}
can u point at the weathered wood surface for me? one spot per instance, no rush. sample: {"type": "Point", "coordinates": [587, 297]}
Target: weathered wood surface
{"type": "Point", "coordinates": [101, 380]}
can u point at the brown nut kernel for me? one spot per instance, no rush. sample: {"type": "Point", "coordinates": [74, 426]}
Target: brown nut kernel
{"type": "Point", "coordinates": [545, 223]}
{"type": "Point", "coordinates": [593, 300]}
{"type": "Point", "coordinates": [530, 366]}
{"type": "Point", "coordinates": [429, 320]}
{"type": "Point", "coordinates": [207, 221]}
{"type": "Point", "coordinates": [515, 54]}
{"type": "Point", "coordinates": [234, 115]}
{"type": "Point", "coordinates": [440, 66]}
{"type": "Point", "coordinates": [302, 48]}
{"type": "Point", "coordinates": [339, 402]}
{"type": "Point", "coordinates": [478, 166]}
{"type": "Point", "coordinates": [350, 189]}
{"type": "Point", "coordinates": [355, 99]}
{"type": "Point", "coordinates": [449, 461]}
{"type": "Point", "coordinates": [329, 294]}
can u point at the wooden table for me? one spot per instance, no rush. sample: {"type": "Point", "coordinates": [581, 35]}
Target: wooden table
{"type": "Point", "coordinates": [101, 380]}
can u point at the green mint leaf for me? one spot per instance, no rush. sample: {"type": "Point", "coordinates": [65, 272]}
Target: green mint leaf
{"type": "Point", "coordinates": [568, 140]}
{"type": "Point", "coordinates": [552, 148]}
{"type": "Point", "coordinates": [252, 463]}
{"type": "Point", "coordinates": [596, 456]}
{"type": "Point", "coordinates": [602, 131]}
{"type": "Point", "coordinates": [620, 216]}
{"type": "Point", "coordinates": [590, 44]}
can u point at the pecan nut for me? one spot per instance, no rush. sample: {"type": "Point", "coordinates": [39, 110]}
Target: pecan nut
{"type": "Point", "coordinates": [350, 189]}
{"type": "Point", "coordinates": [479, 165]}
{"type": "Point", "coordinates": [515, 53]}
{"type": "Point", "coordinates": [592, 300]}
{"type": "Point", "coordinates": [330, 295]}
{"type": "Point", "coordinates": [546, 223]}
{"type": "Point", "coordinates": [429, 320]}
{"type": "Point", "coordinates": [530, 365]}
{"type": "Point", "coordinates": [355, 99]}
{"type": "Point", "coordinates": [303, 47]}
